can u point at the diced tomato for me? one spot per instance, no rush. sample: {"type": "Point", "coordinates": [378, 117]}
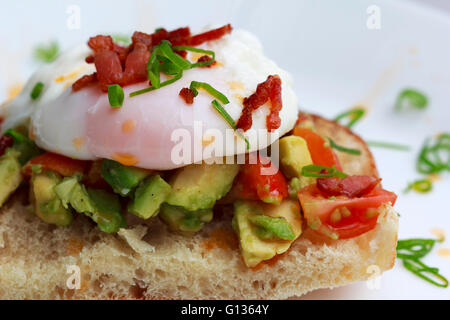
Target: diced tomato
{"type": "Point", "coordinates": [342, 218]}
{"type": "Point", "coordinates": [65, 166]}
{"type": "Point", "coordinates": [254, 183]}
{"type": "Point", "coordinates": [351, 186]}
{"type": "Point", "coordinates": [321, 154]}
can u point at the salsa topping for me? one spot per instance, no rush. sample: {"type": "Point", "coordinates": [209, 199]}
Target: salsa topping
{"type": "Point", "coordinates": [265, 91]}
{"type": "Point", "coordinates": [116, 64]}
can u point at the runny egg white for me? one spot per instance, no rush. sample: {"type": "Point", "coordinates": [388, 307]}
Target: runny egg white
{"type": "Point", "coordinates": [82, 124]}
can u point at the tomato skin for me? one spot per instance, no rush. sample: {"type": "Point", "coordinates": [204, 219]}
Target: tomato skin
{"type": "Point", "coordinates": [317, 210]}
{"type": "Point", "coordinates": [254, 185]}
{"type": "Point", "coordinates": [65, 166]}
{"type": "Point", "coordinates": [320, 154]}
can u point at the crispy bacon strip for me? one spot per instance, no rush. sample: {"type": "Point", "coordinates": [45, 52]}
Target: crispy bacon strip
{"type": "Point", "coordinates": [265, 91]}
{"type": "Point", "coordinates": [210, 35]}
{"type": "Point", "coordinates": [351, 186]}
{"type": "Point", "coordinates": [187, 95]}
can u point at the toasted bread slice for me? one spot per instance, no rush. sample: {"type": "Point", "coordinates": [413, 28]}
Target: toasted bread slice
{"type": "Point", "coordinates": [146, 261]}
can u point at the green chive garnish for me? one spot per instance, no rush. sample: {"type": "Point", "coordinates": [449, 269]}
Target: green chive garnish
{"type": "Point", "coordinates": [115, 95]}
{"type": "Point", "coordinates": [197, 50]}
{"type": "Point", "coordinates": [315, 171]}
{"type": "Point", "coordinates": [208, 88]}
{"type": "Point", "coordinates": [229, 120]}
{"type": "Point", "coordinates": [37, 90]}
{"type": "Point", "coordinates": [166, 51]}
{"type": "Point", "coordinates": [435, 157]}
{"type": "Point", "coordinates": [153, 70]}
{"type": "Point", "coordinates": [413, 98]}
{"type": "Point", "coordinates": [353, 116]}
{"type": "Point", "coordinates": [422, 186]}
{"type": "Point", "coordinates": [47, 53]}
{"type": "Point", "coordinates": [163, 84]}
{"type": "Point", "coordinates": [122, 39]}
{"type": "Point", "coordinates": [410, 251]}
{"type": "Point", "coordinates": [388, 145]}
{"type": "Point", "coordinates": [344, 149]}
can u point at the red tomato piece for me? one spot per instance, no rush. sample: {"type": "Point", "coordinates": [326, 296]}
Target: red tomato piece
{"type": "Point", "coordinates": [342, 218]}
{"type": "Point", "coordinates": [351, 186]}
{"type": "Point", "coordinates": [320, 153]}
{"type": "Point", "coordinates": [65, 166]}
{"type": "Point", "coordinates": [255, 184]}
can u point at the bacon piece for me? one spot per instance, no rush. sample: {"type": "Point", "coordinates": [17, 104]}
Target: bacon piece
{"type": "Point", "coordinates": [265, 91]}
{"type": "Point", "coordinates": [188, 95]}
{"type": "Point", "coordinates": [206, 58]}
{"type": "Point", "coordinates": [210, 35]}
{"type": "Point", "coordinates": [101, 43]}
{"type": "Point", "coordinates": [351, 186]}
{"type": "Point", "coordinates": [90, 59]}
{"type": "Point", "coordinates": [109, 69]}
{"type": "Point", "coordinates": [84, 81]}
{"type": "Point", "coordinates": [136, 65]}
{"type": "Point", "coordinates": [5, 143]}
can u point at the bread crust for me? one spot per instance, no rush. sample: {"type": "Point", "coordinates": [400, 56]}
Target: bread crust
{"type": "Point", "coordinates": [146, 261]}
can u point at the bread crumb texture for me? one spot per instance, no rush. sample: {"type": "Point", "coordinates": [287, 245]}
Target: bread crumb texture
{"type": "Point", "coordinates": [147, 261]}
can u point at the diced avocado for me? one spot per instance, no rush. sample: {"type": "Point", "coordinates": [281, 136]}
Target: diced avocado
{"type": "Point", "coordinates": [108, 213]}
{"type": "Point", "coordinates": [271, 228]}
{"type": "Point", "coordinates": [26, 147]}
{"type": "Point", "coordinates": [198, 186]}
{"type": "Point", "coordinates": [294, 155]}
{"type": "Point", "coordinates": [121, 178]}
{"type": "Point", "coordinates": [149, 196]}
{"type": "Point", "coordinates": [10, 174]}
{"type": "Point", "coordinates": [255, 249]}
{"type": "Point", "coordinates": [99, 205]}
{"type": "Point", "coordinates": [185, 222]}
{"type": "Point", "coordinates": [47, 205]}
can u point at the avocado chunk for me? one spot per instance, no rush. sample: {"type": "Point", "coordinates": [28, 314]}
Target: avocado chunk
{"type": "Point", "coordinates": [294, 155]}
{"type": "Point", "coordinates": [261, 238]}
{"type": "Point", "coordinates": [198, 186]}
{"type": "Point", "coordinates": [108, 213]}
{"type": "Point", "coordinates": [47, 205]}
{"type": "Point", "coordinates": [149, 196]}
{"type": "Point", "coordinates": [101, 206]}
{"type": "Point", "coordinates": [121, 178]}
{"type": "Point", "coordinates": [10, 174]}
{"type": "Point", "coordinates": [183, 221]}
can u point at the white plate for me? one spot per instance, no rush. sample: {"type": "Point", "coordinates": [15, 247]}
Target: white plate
{"type": "Point", "coordinates": [336, 61]}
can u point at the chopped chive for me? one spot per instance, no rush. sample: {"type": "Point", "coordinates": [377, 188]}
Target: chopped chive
{"type": "Point", "coordinates": [353, 115]}
{"type": "Point", "coordinates": [435, 157]}
{"type": "Point", "coordinates": [315, 171]}
{"type": "Point", "coordinates": [115, 95]}
{"type": "Point", "coordinates": [193, 49]}
{"type": "Point", "coordinates": [422, 270]}
{"type": "Point", "coordinates": [163, 84]}
{"type": "Point", "coordinates": [388, 145]}
{"type": "Point", "coordinates": [37, 90]}
{"type": "Point", "coordinates": [153, 70]}
{"type": "Point", "coordinates": [208, 88]}
{"type": "Point", "coordinates": [344, 149]}
{"type": "Point", "coordinates": [229, 120]}
{"type": "Point", "coordinates": [422, 186]}
{"type": "Point", "coordinates": [166, 51]}
{"type": "Point", "coordinates": [411, 250]}
{"type": "Point", "coordinates": [413, 98]}
{"type": "Point", "coordinates": [121, 38]}
{"type": "Point", "coordinates": [47, 53]}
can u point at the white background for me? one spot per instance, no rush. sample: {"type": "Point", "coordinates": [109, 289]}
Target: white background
{"type": "Point", "coordinates": [336, 61]}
